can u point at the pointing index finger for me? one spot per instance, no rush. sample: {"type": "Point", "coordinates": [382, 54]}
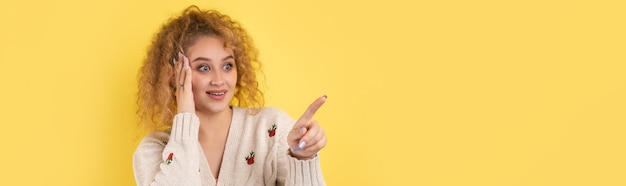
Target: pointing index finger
{"type": "Point", "coordinates": [308, 114]}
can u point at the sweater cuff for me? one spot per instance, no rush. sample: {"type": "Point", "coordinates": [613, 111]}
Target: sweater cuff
{"type": "Point", "coordinates": [306, 172]}
{"type": "Point", "coordinates": [185, 126]}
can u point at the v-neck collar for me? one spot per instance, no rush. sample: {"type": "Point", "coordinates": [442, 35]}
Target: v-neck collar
{"type": "Point", "coordinates": [230, 150]}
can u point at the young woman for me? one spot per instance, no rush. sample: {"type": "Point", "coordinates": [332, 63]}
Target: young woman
{"type": "Point", "coordinates": [199, 97]}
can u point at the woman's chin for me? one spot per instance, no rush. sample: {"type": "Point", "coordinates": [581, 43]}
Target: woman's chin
{"type": "Point", "coordinates": [214, 109]}
{"type": "Point", "coordinates": [213, 106]}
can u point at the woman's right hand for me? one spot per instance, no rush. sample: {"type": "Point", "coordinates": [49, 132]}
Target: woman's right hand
{"type": "Point", "coordinates": [184, 94]}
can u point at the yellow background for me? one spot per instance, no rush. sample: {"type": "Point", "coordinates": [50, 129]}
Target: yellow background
{"type": "Point", "coordinates": [420, 92]}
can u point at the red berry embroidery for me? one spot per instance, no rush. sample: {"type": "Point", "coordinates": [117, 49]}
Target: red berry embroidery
{"type": "Point", "coordinates": [169, 158]}
{"type": "Point", "coordinates": [250, 158]}
{"type": "Point", "coordinates": [272, 130]}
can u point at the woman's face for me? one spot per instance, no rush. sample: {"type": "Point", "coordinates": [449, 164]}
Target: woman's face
{"type": "Point", "coordinates": [214, 74]}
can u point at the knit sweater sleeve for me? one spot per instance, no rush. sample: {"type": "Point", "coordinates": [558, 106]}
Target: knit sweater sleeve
{"type": "Point", "coordinates": [174, 161]}
{"type": "Point", "coordinates": [292, 171]}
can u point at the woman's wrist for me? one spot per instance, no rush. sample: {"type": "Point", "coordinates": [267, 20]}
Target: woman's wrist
{"type": "Point", "coordinates": [299, 157]}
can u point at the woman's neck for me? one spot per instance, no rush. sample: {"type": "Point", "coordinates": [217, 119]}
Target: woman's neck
{"type": "Point", "coordinates": [215, 121]}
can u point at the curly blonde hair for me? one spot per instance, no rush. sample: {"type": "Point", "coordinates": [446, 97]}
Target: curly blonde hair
{"type": "Point", "coordinates": [156, 101]}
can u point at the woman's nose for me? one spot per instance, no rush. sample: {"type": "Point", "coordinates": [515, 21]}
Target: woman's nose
{"type": "Point", "coordinates": [217, 79]}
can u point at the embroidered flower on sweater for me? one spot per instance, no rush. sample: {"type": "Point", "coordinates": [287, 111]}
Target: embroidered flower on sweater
{"type": "Point", "coordinates": [169, 158]}
{"type": "Point", "coordinates": [250, 158]}
{"type": "Point", "coordinates": [272, 130]}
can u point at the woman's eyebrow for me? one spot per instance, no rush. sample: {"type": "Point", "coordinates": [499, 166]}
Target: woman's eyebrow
{"type": "Point", "coordinates": [228, 57]}
{"type": "Point", "coordinates": [201, 59]}
{"type": "Point", "coordinates": [207, 59]}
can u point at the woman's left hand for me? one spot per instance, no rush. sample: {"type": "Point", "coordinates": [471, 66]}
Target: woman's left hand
{"type": "Point", "coordinates": [307, 138]}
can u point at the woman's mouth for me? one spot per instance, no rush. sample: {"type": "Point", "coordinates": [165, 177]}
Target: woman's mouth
{"type": "Point", "coordinates": [217, 95]}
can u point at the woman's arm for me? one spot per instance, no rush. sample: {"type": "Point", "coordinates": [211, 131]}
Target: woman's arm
{"type": "Point", "coordinates": [298, 149]}
{"type": "Point", "coordinates": [174, 161]}
{"type": "Point", "coordinates": [292, 171]}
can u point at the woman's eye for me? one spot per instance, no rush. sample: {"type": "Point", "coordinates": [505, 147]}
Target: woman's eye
{"type": "Point", "coordinates": [228, 66]}
{"type": "Point", "coordinates": [203, 68]}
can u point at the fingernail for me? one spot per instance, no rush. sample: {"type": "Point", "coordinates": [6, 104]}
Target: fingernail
{"type": "Point", "coordinates": [180, 54]}
{"type": "Point", "coordinates": [302, 130]}
{"type": "Point", "coordinates": [296, 148]}
{"type": "Point", "coordinates": [301, 145]}
{"type": "Point", "coordinates": [173, 61]}
{"type": "Point", "coordinates": [186, 63]}
{"type": "Point", "coordinates": [325, 96]}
